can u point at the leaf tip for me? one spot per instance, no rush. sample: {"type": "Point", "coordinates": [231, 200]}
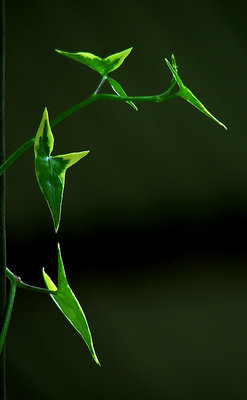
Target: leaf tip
{"type": "Point", "coordinates": [45, 115]}
{"type": "Point", "coordinates": [56, 219]}
{"type": "Point", "coordinates": [56, 226]}
{"type": "Point", "coordinates": [221, 124]}
{"type": "Point", "coordinates": [168, 63]}
{"type": "Point", "coordinates": [98, 363]}
{"type": "Point", "coordinates": [93, 354]}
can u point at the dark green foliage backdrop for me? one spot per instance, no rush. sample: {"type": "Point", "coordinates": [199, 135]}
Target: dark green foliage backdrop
{"type": "Point", "coordinates": [152, 223]}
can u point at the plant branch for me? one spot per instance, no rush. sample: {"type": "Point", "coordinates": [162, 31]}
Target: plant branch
{"type": "Point", "coordinates": [91, 99]}
{"type": "Point", "coordinates": [100, 84]}
{"type": "Point", "coordinates": [8, 313]}
{"type": "Point", "coordinates": [97, 97]}
{"type": "Point", "coordinates": [2, 194]}
{"type": "Point", "coordinates": [15, 282]}
{"type": "Point", "coordinates": [73, 109]}
{"type": "Point", "coordinates": [17, 153]}
{"type": "Point", "coordinates": [26, 286]}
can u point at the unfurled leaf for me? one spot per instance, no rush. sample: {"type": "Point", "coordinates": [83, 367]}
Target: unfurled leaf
{"type": "Point", "coordinates": [102, 65]}
{"type": "Point", "coordinates": [119, 90]}
{"type": "Point", "coordinates": [69, 305]}
{"type": "Point", "coordinates": [186, 93]}
{"type": "Point", "coordinates": [50, 170]}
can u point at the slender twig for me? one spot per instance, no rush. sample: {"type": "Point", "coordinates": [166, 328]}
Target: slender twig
{"type": "Point", "coordinates": [26, 286]}
{"type": "Point", "coordinates": [2, 194]}
{"type": "Point", "coordinates": [100, 84]}
{"type": "Point", "coordinates": [15, 282]}
{"type": "Point", "coordinates": [8, 313]}
{"type": "Point", "coordinates": [17, 153]}
{"type": "Point", "coordinates": [158, 98]}
{"type": "Point", "coordinates": [91, 99]}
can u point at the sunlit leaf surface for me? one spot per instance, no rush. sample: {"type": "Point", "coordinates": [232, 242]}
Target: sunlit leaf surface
{"type": "Point", "coordinates": [120, 91]}
{"type": "Point", "coordinates": [69, 305]}
{"type": "Point", "coordinates": [186, 93]}
{"type": "Point", "coordinates": [50, 170]}
{"type": "Point", "coordinates": [102, 65]}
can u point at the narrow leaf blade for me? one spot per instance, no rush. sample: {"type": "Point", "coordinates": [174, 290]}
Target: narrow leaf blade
{"type": "Point", "coordinates": [114, 61]}
{"type": "Point", "coordinates": [69, 305]}
{"type": "Point", "coordinates": [50, 171]}
{"type": "Point", "coordinates": [120, 91]}
{"type": "Point", "coordinates": [72, 158]}
{"type": "Point", "coordinates": [187, 95]}
{"type": "Point", "coordinates": [102, 65]}
{"type": "Point", "coordinates": [89, 59]}
{"type": "Point", "coordinates": [44, 140]}
{"type": "Point", "coordinates": [50, 185]}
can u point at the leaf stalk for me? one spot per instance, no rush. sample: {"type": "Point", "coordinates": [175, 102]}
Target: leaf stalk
{"type": "Point", "coordinates": [14, 278]}
{"type": "Point", "coordinates": [101, 84]}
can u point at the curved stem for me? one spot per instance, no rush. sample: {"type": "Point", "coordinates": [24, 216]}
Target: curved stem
{"type": "Point", "coordinates": [26, 286]}
{"type": "Point", "coordinates": [91, 99]}
{"type": "Point", "coordinates": [8, 313]}
{"type": "Point", "coordinates": [154, 99]}
{"type": "Point", "coordinates": [73, 109]}
{"type": "Point", "coordinates": [158, 98]}
{"type": "Point", "coordinates": [17, 153]}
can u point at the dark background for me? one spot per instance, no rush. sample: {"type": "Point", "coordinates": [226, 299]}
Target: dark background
{"type": "Point", "coordinates": [153, 230]}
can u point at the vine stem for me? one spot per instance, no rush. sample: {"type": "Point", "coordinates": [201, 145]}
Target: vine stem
{"type": "Point", "coordinates": [12, 292]}
{"type": "Point", "coordinates": [2, 195]}
{"type": "Point", "coordinates": [158, 98]}
{"type": "Point", "coordinates": [91, 99]}
{"type": "Point", "coordinates": [15, 282]}
{"type": "Point", "coordinates": [100, 84]}
{"type": "Point", "coordinates": [22, 285]}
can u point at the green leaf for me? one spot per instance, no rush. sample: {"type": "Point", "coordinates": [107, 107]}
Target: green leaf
{"type": "Point", "coordinates": [186, 93]}
{"type": "Point", "coordinates": [69, 305]}
{"type": "Point", "coordinates": [102, 65]}
{"type": "Point", "coordinates": [119, 90]}
{"type": "Point", "coordinates": [50, 170]}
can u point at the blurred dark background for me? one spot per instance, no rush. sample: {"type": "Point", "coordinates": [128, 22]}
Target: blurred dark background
{"type": "Point", "coordinates": [153, 230]}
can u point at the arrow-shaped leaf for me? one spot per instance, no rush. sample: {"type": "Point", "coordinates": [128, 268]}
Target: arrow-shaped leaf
{"type": "Point", "coordinates": [120, 91]}
{"type": "Point", "coordinates": [186, 93]}
{"type": "Point", "coordinates": [69, 305]}
{"type": "Point", "coordinates": [102, 65]}
{"type": "Point", "coordinates": [50, 170]}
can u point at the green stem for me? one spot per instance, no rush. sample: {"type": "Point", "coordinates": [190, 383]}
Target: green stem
{"type": "Point", "coordinates": [8, 313]}
{"type": "Point", "coordinates": [154, 99]}
{"type": "Point", "coordinates": [73, 109]}
{"type": "Point", "coordinates": [91, 99]}
{"type": "Point", "coordinates": [97, 97]}
{"type": "Point", "coordinates": [17, 153]}
{"type": "Point", "coordinates": [100, 84]}
{"type": "Point", "coordinates": [15, 282]}
{"type": "Point", "coordinates": [26, 286]}
{"type": "Point", "coordinates": [2, 195]}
